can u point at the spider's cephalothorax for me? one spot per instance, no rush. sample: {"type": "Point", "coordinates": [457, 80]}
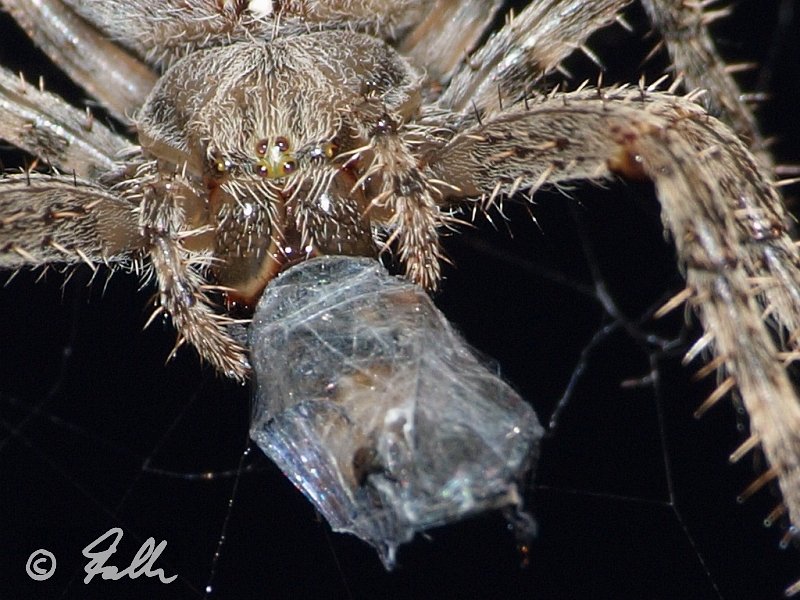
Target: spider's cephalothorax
{"type": "Point", "coordinates": [272, 162]}
{"type": "Point", "coordinates": [298, 148]}
{"type": "Point", "coordinates": [270, 131]}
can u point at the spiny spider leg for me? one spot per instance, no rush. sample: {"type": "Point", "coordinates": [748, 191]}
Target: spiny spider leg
{"type": "Point", "coordinates": [59, 219]}
{"type": "Point", "coordinates": [52, 130]}
{"type": "Point", "coordinates": [684, 27]}
{"type": "Point", "coordinates": [727, 222]}
{"type": "Point", "coordinates": [109, 73]}
{"type": "Point", "coordinates": [450, 31]}
{"type": "Point", "coordinates": [530, 45]}
{"type": "Point", "coordinates": [182, 289]}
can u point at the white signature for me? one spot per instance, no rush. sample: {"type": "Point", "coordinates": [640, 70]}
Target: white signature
{"type": "Point", "coordinates": [142, 563]}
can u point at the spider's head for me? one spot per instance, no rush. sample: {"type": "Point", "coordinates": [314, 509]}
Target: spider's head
{"type": "Point", "coordinates": [269, 144]}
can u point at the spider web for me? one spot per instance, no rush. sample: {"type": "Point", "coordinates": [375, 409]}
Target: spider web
{"type": "Point", "coordinates": [634, 498]}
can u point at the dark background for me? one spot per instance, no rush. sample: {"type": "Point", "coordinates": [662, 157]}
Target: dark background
{"type": "Point", "coordinates": [634, 498]}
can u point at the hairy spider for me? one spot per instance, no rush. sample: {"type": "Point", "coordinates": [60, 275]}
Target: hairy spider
{"type": "Point", "coordinates": [281, 130]}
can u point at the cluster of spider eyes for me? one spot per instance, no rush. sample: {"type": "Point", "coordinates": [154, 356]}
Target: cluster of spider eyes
{"type": "Point", "coordinates": [277, 159]}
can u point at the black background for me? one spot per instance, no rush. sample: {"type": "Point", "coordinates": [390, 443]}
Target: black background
{"type": "Point", "coordinates": [96, 432]}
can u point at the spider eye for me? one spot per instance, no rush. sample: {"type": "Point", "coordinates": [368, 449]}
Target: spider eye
{"type": "Point", "coordinates": [327, 150]}
{"type": "Point", "coordinates": [274, 170]}
{"type": "Point", "coordinates": [223, 165]}
{"type": "Point", "coordinates": [287, 168]}
{"type": "Point", "coordinates": [330, 149]}
{"type": "Point", "coordinates": [219, 164]}
{"type": "Point", "coordinates": [275, 160]}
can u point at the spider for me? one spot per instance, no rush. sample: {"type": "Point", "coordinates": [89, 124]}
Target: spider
{"type": "Point", "coordinates": [330, 130]}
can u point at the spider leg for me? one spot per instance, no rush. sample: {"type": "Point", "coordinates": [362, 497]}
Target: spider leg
{"type": "Point", "coordinates": [447, 34]}
{"type": "Point", "coordinates": [161, 31]}
{"type": "Point", "coordinates": [408, 206]}
{"type": "Point", "coordinates": [181, 283]}
{"type": "Point", "coordinates": [182, 295]}
{"type": "Point", "coordinates": [416, 217]}
{"type": "Point", "coordinates": [117, 79]}
{"type": "Point", "coordinates": [694, 56]}
{"type": "Point", "coordinates": [530, 45]}
{"type": "Point", "coordinates": [54, 219]}
{"type": "Point", "coordinates": [727, 221]}
{"type": "Point", "coordinates": [47, 127]}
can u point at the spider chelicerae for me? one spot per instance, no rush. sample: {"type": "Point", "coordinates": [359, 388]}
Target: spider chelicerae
{"type": "Point", "coordinates": [387, 155]}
